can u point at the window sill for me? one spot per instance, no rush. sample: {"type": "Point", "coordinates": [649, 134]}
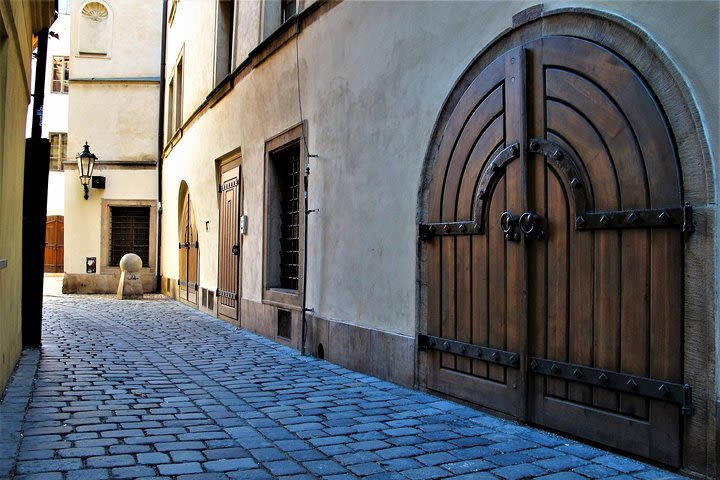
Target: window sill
{"type": "Point", "coordinates": [283, 298]}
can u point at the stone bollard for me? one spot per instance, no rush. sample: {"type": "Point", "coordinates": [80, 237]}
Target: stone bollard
{"type": "Point", "coordinates": [130, 286]}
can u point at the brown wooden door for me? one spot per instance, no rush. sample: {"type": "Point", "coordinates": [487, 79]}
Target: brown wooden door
{"type": "Point", "coordinates": [574, 301]}
{"type": "Point", "coordinates": [611, 297]}
{"type": "Point", "coordinates": [189, 253]}
{"type": "Point", "coordinates": [54, 248]}
{"type": "Point", "coordinates": [469, 276]}
{"type": "Point", "coordinates": [193, 256]}
{"type": "Point", "coordinates": [229, 248]}
{"type": "Point", "coordinates": [183, 248]}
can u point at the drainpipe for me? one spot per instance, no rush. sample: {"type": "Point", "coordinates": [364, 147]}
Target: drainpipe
{"type": "Point", "coordinates": [161, 129]}
{"type": "Point", "coordinates": [34, 207]}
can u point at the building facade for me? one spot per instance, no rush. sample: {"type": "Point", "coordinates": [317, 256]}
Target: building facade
{"type": "Point", "coordinates": [18, 22]}
{"type": "Point", "coordinates": [113, 106]}
{"type": "Point", "coordinates": [509, 204]}
{"type": "Point", "coordinates": [55, 128]}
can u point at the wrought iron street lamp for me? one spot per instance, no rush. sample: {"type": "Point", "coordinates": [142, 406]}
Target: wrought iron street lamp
{"type": "Point", "coordinates": [86, 162]}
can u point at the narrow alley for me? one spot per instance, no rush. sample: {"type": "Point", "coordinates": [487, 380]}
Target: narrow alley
{"type": "Point", "coordinates": [154, 389]}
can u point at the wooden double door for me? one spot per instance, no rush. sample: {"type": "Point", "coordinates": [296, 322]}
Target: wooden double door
{"type": "Point", "coordinates": [189, 248]}
{"type": "Point", "coordinates": [554, 246]}
{"type": "Point", "coordinates": [54, 244]}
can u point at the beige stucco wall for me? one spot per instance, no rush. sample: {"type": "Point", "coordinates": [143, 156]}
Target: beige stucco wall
{"type": "Point", "coordinates": [135, 46]}
{"type": "Point", "coordinates": [114, 107]}
{"type": "Point", "coordinates": [83, 217]}
{"type": "Point", "coordinates": [373, 79]}
{"type": "Point", "coordinates": [118, 120]}
{"type": "Point", "coordinates": [15, 87]}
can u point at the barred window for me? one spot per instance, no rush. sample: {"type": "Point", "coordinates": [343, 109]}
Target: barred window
{"type": "Point", "coordinates": [284, 218]}
{"type": "Point", "coordinates": [58, 150]}
{"type": "Point", "coordinates": [129, 233]}
{"type": "Point", "coordinates": [60, 75]}
{"type": "Point", "coordinates": [287, 163]}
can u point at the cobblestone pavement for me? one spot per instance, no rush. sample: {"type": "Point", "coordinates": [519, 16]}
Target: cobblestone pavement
{"type": "Point", "coordinates": [154, 389]}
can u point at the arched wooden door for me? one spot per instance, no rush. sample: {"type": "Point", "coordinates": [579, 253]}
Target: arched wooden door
{"type": "Point", "coordinates": [555, 250]}
{"type": "Point", "coordinates": [189, 253]}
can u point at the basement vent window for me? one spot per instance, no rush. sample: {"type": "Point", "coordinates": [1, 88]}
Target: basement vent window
{"type": "Point", "coordinates": [211, 300]}
{"type": "Point", "coordinates": [129, 233]}
{"type": "Point", "coordinates": [284, 324]}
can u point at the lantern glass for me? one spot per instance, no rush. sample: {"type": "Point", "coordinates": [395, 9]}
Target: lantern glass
{"type": "Point", "coordinates": [86, 163]}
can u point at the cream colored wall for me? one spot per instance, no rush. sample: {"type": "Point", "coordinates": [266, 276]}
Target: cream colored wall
{"type": "Point", "coordinates": [135, 50]}
{"type": "Point", "coordinates": [374, 77]}
{"type": "Point", "coordinates": [199, 63]}
{"type": "Point", "coordinates": [118, 120]}
{"type": "Point", "coordinates": [247, 28]}
{"type": "Point", "coordinates": [14, 97]}
{"type": "Point", "coordinates": [83, 217]}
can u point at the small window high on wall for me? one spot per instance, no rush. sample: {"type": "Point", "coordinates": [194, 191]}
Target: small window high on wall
{"type": "Point", "coordinates": [225, 32]}
{"type": "Point", "coordinates": [60, 75]}
{"type": "Point", "coordinates": [58, 150]}
{"type": "Point", "coordinates": [94, 29]}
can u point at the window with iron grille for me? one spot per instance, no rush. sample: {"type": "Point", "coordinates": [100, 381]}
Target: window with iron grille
{"type": "Point", "coordinates": [287, 163]}
{"type": "Point", "coordinates": [284, 218]}
{"type": "Point", "coordinates": [58, 150]}
{"type": "Point", "coordinates": [129, 233]}
{"type": "Point", "coordinates": [60, 75]}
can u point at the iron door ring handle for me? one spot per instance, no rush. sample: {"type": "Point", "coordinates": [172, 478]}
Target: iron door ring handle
{"type": "Point", "coordinates": [528, 221]}
{"type": "Point", "coordinates": [235, 250]}
{"type": "Point", "coordinates": [531, 225]}
{"type": "Point", "coordinates": [507, 221]}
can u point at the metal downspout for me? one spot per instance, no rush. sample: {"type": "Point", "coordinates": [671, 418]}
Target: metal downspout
{"type": "Point", "coordinates": [161, 129]}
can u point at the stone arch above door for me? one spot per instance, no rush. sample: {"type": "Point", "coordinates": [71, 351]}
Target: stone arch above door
{"type": "Point", "coordinates": [638, 49]}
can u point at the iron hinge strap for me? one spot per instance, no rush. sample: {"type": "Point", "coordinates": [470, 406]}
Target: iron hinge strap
{"type": "Point", "coordinates": [470, 350]}
{"type": "Point", "coordinates": [225, 294]}
{"type": "Point", "coordinates": [428, 230]}
{"type": "Point", "coordinates": [182, 282]}
{"type": "Point", "coordinates": [641, 218]}
{"type": "Point", "coordinates": [620, 382]}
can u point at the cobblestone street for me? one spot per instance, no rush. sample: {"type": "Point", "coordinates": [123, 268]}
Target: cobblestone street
{"type": "Point", "coordinates": [154, 389]}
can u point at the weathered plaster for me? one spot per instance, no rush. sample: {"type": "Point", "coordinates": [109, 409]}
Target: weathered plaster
{"type": "Point", "coordinates": [16, 23]}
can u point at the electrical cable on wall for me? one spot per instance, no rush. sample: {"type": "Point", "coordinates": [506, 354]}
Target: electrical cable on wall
{"type": "Point", "coordinates": [305, 181]}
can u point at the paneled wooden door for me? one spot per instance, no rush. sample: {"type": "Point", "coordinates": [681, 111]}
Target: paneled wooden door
{"type": "Point", "coordinates": [229, 248]}
{"type": "Point", "coordinates": [555, 250]}
{"type": "Point", "coordinates": [189, 253]}
{"type": "Point", "coordinates": [54, 244]}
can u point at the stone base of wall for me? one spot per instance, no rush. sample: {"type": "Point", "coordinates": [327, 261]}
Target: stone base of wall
{"type": "Point", "coordinates": [101, 283]}
{"type": "Point", "coordinates": [382, 354]}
